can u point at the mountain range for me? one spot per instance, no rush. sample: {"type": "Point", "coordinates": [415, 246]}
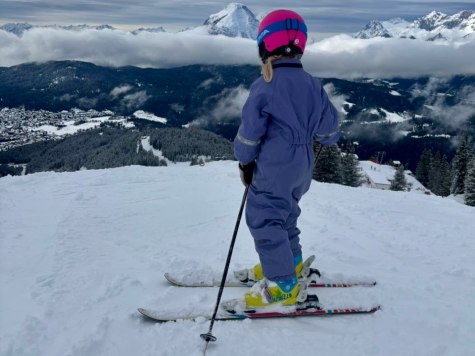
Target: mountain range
{"type": "Point", "coordinates": [435, 26]}
{"type": "Point", "coordinates": [20, 28]}
{"type": "Point", "coordinates": [237, 20]}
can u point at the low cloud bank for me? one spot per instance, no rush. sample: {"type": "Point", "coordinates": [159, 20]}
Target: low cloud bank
{"type": "Point", "coordinates": [339, 56]}
{"type": "Point", "coordinates": [453, 116]}
{"type": "Point", "coordinates": [228, 107]}
{"type": "Point", "coordinates": [345, 57]}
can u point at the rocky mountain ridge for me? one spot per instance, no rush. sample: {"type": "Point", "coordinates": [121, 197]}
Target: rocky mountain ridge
{"type": "Point", "coordinates": [436, 26]}
{"type": "Point", "coordinates": [235, 20]}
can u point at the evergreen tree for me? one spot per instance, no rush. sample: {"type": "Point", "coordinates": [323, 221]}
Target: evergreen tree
{"type": "Point", "coordinates": [459, 168]}
{"type": "Point", "coordinates": [399, 182]}
{"type": "Point", "coordinates": [195, 161]}
{"type": "Point", "coordinates": [5, 170]}
{"type": "Point", "coordinates": [440, 177]}
{"type": "Point", "coordinates": [424, 167]}
{"type": "Point", "coordinates": [470, 183]}
{"type": "Point", "coordinates": [446, 176]}
{"type": "Point", "coordinates": [434, 174]}
{"type": "Point", "coordinates": [180, 145]}
{"type": "Point", "coordinates": [328, 166]}
{"type": "Point", "coordinates": [350, 172]}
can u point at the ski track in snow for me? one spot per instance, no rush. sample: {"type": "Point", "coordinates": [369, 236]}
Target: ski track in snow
{"type": "Point", "coordinates": [79, 252]}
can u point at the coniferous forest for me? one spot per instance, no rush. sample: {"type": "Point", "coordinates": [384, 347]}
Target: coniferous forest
{"type": "Point", "coordinates": [456, 177]}
{"type": "Point", "coordinates": [112, 146]}
{"type": "Point", "coordinates": [435, 171]}
{"type": "Point", "coordinates": [109, 147]}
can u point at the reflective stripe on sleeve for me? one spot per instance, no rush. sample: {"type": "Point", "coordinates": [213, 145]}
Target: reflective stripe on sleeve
{"type": "Point", "coordinates": [246, 141]}
{"type": "Point", "coordinates": [331, 134]}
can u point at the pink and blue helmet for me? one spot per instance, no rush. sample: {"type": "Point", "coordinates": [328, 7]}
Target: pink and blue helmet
{"type": "Point", "coordinates": [281, 32]}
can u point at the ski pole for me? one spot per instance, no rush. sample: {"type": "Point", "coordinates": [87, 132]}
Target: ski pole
{"type": "Point", "coordinates": [318, 154]}
{"type": "Point", "coordinates": [209, 336]}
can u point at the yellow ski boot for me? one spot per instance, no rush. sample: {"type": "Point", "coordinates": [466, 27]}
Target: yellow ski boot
{"type": "Point", "coordinates": [266, 295]}
{"type": "Point", "coordinates": [252, 275]}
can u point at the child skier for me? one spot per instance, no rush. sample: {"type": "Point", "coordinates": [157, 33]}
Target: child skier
{"type": "Point", "coordinates": [286, 108]}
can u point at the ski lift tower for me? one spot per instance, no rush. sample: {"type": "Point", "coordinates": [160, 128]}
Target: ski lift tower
{"type": "Point", "coordinates": [380, 156]}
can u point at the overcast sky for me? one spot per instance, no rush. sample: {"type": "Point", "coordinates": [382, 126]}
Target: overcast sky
{"type": "Point", "coordinates": [323, 16]}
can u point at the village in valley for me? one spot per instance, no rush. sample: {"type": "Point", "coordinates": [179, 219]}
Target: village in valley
{"type": "Point", "coordinates": [19, 126]}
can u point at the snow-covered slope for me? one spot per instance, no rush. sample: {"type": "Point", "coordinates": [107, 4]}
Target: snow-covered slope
{"type": "Point", "coordinates": [236, 20]}
{"type": "Point", "coordinates": [79, 252]}
{"type": "Point", "coordinates": [432, 27]}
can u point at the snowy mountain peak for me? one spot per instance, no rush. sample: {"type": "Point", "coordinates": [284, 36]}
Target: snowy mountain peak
{"type": "Point", "coordinates": [397, 21]}
{"type": "Point", "coordinates": [16, 28]}
{"type": "Point", "coordinates": [435, 15]}
{"type": "Point", "coordinates": [434, 26]}
{"type": "Point", "coordinates": [430, 21]}
{"type": "Point", "coordinates": [236, 20]}
{"type": "Point", "coordinates": [373, 29]}
{"type": "Point", "coordinates": [463, 21]}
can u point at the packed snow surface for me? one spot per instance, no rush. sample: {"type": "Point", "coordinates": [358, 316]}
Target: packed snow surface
{"type": "Point", "coordinates": [79, 252]}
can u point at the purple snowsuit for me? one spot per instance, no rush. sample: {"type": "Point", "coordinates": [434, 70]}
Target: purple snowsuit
{"type": "Point", "coordinates": [279, 120]}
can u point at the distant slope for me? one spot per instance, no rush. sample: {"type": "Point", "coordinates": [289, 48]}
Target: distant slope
{"type": "Point", "coordinates": [178, 94]}
{"type": "Point", "coordinates": [399, 116]}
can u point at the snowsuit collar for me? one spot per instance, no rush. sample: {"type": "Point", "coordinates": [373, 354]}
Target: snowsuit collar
{"type": "Point", "coordinates": [287, 62]}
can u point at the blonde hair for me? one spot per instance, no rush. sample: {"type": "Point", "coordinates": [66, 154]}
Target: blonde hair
{"type": "Point", "coordinates": [266, 69]}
